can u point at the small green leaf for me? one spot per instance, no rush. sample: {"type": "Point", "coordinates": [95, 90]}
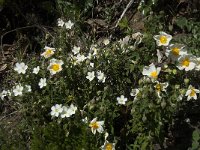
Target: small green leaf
{"type": "Point", "coordinates": [131, 67]}
{"type": "Point", "coordinates": [195, 145]}
{"type": "Point", "coordinates": [123, 23]}
{"type": "Point", "coordinates": [195, 135]}
{"type": "Point", "coordinates": [181, 22]}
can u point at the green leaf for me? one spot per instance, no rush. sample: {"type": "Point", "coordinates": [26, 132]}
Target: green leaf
{"type": "Point", "coordinates": [195, 135]}
{"type": "Point", "coordinates": [131, 67]}
{"type": "Point", "coordinates": [181, 22]}
{"type": "Point", "coordinates": [195, 145]}
{"type": "Point", "coordinates": [144, 145]}
{"type": "Point", "coordinates": [123, 23]}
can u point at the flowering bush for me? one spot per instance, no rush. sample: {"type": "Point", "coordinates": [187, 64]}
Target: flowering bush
{"type": "Point", "coordinates": [113, 94]}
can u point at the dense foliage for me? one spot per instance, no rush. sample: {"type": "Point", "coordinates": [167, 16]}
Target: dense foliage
{"type": "Point", "coordinates": [79, 80]}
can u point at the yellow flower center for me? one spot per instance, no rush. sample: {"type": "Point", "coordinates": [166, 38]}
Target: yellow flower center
{"type": "Point", "coordinates": [186, 62]}
{"type": "Point", "coordinates": [154, 74]}
{"type": "Point", "coordinates": [175, 51]}
{"type": "Point", "coordinates": [55, 67]}
{"type": "Point", "coordinates": [163, 39]}
{"type": "Point", "coordinates": [48, 52]}
{"type": "Point", "coordinates": [94, 125]}
{"type": "Point", "coordinates": [158, 87]}
{"type": "Point", "coordinates": [109, 146]}
{"type": "Point", "coordinates": [192, 92]}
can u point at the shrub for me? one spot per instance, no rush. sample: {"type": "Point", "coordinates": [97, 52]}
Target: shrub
{"type": "Point", "coordinates": [81, 93]}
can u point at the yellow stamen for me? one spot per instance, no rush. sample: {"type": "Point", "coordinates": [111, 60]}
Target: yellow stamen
{"type": "Point", "coordinates": [109, 146]}
{"type": "Point", "coordinates": [192, 92]}
{"type": "Point", "coordinates": [163, 39]}
{"type": "Point", "coordinates": [154, 74]}
{"type": "Point", "coordinates": [158, 87]}
{"type": "Point", "coordinates": [186, 62]}
{"type": "Point", "coordinates": [94, 125]}
{"type": "Point", "coordinates": [175, 51]}
{"type": "Point", "coordinates": [48, 52]}
{"type": "Point", "coordinates": [55, 67]}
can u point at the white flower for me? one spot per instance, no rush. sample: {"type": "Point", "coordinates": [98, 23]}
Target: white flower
{"type": "Point", "coordinates": [69, 24]}
{"type": "Point", "coordinates": [28, 88]}
{"type": "Point", "coordinates": [66, 112]}
{"type": "Point", "coordinates": [80, 58]}
{"type": "Point", "coordinates": [101, 77]}
{"type": "Point", "coordinates": [121, 100]}
{"type": "Point", "coordinates": [151, 71]}
{"type": "Point", "coordinates": [137, 37]}
{"type": "Point", "coordinates": [17, 90]}
{"type": "Point", "coordinates": [96, 126]}
{"type": "Point", "coordinates": [124, 41]}
{"type": "Point", "coordinates": [20, 68]}
{"type": "Point", "coordinates": [76, 50]}
{"type": "Point", "coordinates": [77, 59]}
{"type": "Point", "coordinates": [73, 109]}
{"type": "Point", "coordinates": [90, 75]}
{"type": "Point", "coordinates": [3, 94]}
{"type": "Point", "coordinates": [187, 62]}
{"type": "Point", "coordinates": [134, 92]}
{"type": "Point", "coordinates": [160, 87]}
{"type": "Point", "coordinates": [49, 51]}
{"type": "Point", "coordinates": [92, 65]}
{"type": "Point", "coordinates": [36, 70]}
{"type": "Point", "coordinates": [94, 50]}
{"type": "Point", "coordinates": [85, 120]}
{"type": "Point", "coordinates": [162, 39]}
{"type": "Point", "coordinates": [106, 41]}
{"type": "Point", "coordinates": [60, 22]}
{"type": "Point", "coordinates": [197, 64]}
{"type": "Point", "coordinates": [175, 51]}
{"type": "Point", "coordinates": [108, 146]}
{"type": "Point", "coordinates": [180, 97]}
{"type": "Point", "coordinates": [191, 93]}
{"type": "Point", "coordinates": [43, 82]}
{"type": "Point", "coordinates": [55, 66]}
{"type": "Point", "coordinates": [56, 110]}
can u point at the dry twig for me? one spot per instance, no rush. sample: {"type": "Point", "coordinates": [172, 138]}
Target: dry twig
{"type": "Point", "coordinates": [122, 15]}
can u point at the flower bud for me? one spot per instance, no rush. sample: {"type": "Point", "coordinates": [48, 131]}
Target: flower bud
{"type": "Point", "coordinates": [177, 86]}
{"type": "Point", "coordinates": [165, 66]}
{"type": "Point", "coordinates": [182, 91]}
{"type": "Point", "coordinates": [186, 81]}
{"type": "Point", "coordinates": [174, 71]}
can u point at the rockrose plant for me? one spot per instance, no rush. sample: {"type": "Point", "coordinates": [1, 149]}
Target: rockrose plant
{"type": "Point", "coordinates": [84, 94]}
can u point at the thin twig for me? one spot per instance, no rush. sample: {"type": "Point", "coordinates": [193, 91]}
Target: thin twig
{"type": "Point", "coordinates": [2, 36]}
{"type": "Point", "coordinates": [122, 15]}
{"type": "Point", "coordinates": [8, 115]}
